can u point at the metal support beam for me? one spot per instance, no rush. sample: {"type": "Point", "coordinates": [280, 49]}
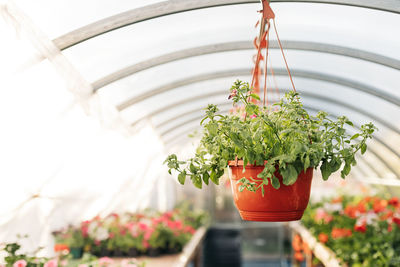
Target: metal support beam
{"type": "Point", "coordinates": [243, 72]}
{"type": "Point", "coordinates": [177, 6]}
{"type": "Point", "coordinates": [240, 46]}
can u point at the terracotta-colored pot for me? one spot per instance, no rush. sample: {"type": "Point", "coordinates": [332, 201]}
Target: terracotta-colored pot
{"type": "Point", "coordinates": [284, 204]}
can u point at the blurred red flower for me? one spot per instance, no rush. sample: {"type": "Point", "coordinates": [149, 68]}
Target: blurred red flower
{"type": "Point", "coordinates": [340, 233]}
{"type": "Point", "coordinates": [380, 205]}
{"type": "Point", "coordinates": [360, 227]}
{"type": "Point", "coordinates": [323, 238]}
{"type": "Point", "coordinates": [299, 256]}
{"type": "Point", "coordinates": [60, 247]}
{"type": "Point", "coordinates": [394, 201]}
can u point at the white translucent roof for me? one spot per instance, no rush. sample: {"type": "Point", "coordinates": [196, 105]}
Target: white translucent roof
{"type": "Point", "coordinates": [142, 70]}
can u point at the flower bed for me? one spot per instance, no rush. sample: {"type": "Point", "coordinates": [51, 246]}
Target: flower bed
{"type": "Point", "coordinates": [128, 234]}
{"type": "Point", "coordinates": [13, 258]}
{"type": "Point", "coordinates": [361, 231]}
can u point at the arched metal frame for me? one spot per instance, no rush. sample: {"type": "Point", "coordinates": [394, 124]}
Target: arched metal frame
{"type": "Point", "coordinates": [243, 72]}
{"type": "Point", "coordinates": [198, 118]}
{"type": "Point", "coordinates": [173, 7]}
{"type": "Point", "coordinates": [169, 8]}
{"type": "Point", "coordinates": [245, 45]}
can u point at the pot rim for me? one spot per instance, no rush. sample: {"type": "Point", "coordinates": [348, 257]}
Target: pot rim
{"type": "Point", "coordinates": [236, 163]}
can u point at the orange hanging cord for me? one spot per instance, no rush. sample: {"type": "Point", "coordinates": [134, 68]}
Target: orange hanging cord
{"type": "Point", "coordinates": [263, 42]}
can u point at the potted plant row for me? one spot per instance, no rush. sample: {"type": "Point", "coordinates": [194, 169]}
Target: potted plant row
{"type": "Point", "coordinates": [13, 257]}
{"type": "Point", "coordinates": [131, 235]}
{"type": "Point", "coordinates": [361, 230]}
{"type": "Point", "coordinates": [270, 152]}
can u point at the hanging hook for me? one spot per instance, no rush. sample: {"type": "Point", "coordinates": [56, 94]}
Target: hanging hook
{"type": "Point", "coordinates": [267, 10]}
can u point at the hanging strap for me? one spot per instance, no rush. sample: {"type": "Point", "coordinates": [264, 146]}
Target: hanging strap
{"type": "Point", "coordinates": [283, 55]}
{"type": "Point", "coordinates": [263, 42]}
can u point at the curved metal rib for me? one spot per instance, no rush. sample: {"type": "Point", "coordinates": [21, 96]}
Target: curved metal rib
{"type": "Point", "coordinates": [243, 72]}
{"type": "Point", "coordinates": [244, 45]}
{"type": "Point", "coordinates": [173, 7]}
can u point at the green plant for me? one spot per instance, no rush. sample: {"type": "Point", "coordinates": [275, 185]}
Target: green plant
{"type": "Point", "coordinates": [12, 257]}
{"type": "Point", "coordinates": [71, 236]}
{"type": "Point", "coordinates": [285, 136]}
{"type": "Point", "coordinates": [362, 231]}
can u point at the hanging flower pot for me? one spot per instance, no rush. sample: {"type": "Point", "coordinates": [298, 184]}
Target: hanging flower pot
{"type": "Point", "coordinates": [284, 204]}
{"type": "Point", "coordinates": [277, 146]}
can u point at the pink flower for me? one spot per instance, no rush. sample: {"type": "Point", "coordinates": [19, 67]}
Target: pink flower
{"type": "Point", "coordinates": [105, 261]}
{"type": "Point", "coordinates": [322, 215]}
{"type": "Point", "coordinates": [189, 229]}
{"type": "Point", "coordinates": [148, 234]}
{"type": "Point", "coordinates": [169, 214]}
{"type": "Point", "coordinates": [253, 116]}
{"type": "Point", "coordinates": [64, 263]}
{"type": "Point", "coordinates": [51, 263]}
{"type": "Point", "coordinates": [19, 263]}
{"type": "Point", "coordinates": [157, 220]}
{"type": "Point", "coordinates": [233, 93]}
{"type": "Point", "coordinates": [130, 226]}
{"type": "Point", "coordinates": [85, 228]}
{"type": "Point", "coordinates": [143, 226]}
{"type": "Point", "coordinates": [83, 265]}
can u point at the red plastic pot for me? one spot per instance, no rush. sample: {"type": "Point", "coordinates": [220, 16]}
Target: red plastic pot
{"type": "Point", "coordinates": [277, 205]}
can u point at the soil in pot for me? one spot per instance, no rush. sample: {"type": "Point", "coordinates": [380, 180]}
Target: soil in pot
{"type": "Point", "coordinates": [174, 250]}
{"type": "Point", "coordinates": [118, 253]}
{"type": "Point", "coordinates": [133, 252]}
{"type": "Point", "coordinates": [104, 252]}
{"type": "Point", "coordinates": [277, 205]}
{"type": "Point", "coordinates": [153, 252]}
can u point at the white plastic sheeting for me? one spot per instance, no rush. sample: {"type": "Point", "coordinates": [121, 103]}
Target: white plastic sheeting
{"type": "Point", "coordinates": [60, 165]}
{"type": "Point", "coordinates": [64, 161]}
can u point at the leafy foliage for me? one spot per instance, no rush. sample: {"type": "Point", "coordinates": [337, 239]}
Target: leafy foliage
{"type": "Point", "coordinates": [285, 135]}
{"type": "Point", "coordinates": [12, 255]}
{"type": "Point", "coordinates": [372, 224]}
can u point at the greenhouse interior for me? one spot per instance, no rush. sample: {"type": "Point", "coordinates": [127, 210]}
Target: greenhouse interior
{"type": "Point", "coordinates": [200, 133]}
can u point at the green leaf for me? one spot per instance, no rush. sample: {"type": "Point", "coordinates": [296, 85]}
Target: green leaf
{"type": "Point", "coordinates": [182, 177]}
{"type": "Point", "coordinates": [212, 128]}
{"type": "Point", "coordinates": [196, 180]}
{"type": "Point", "coordinates": [206, 178]}
{"type": "Point", "coordinates": [275, 183]}
{"type": "Point", "coordinates": [289, 175]}
{"type": "Point", "coordinates": [355, 136]}
{"type": "Point", "coordinates": [335, 164]}
{"type": "Point", "coordinates": [214, 178]}
{"type": "Point", "coordinates": [306, 162]}
{"type": "Point", "coordinates": [255, 96]}
{"type": "Point", "coordinates": [346, 170]}
{"type": "Point", "coordinates": [363, 148]}
{"type": "Point", "coordinates": [325, 170]}
{"type": "Point", "coordinates": [192, 168]}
